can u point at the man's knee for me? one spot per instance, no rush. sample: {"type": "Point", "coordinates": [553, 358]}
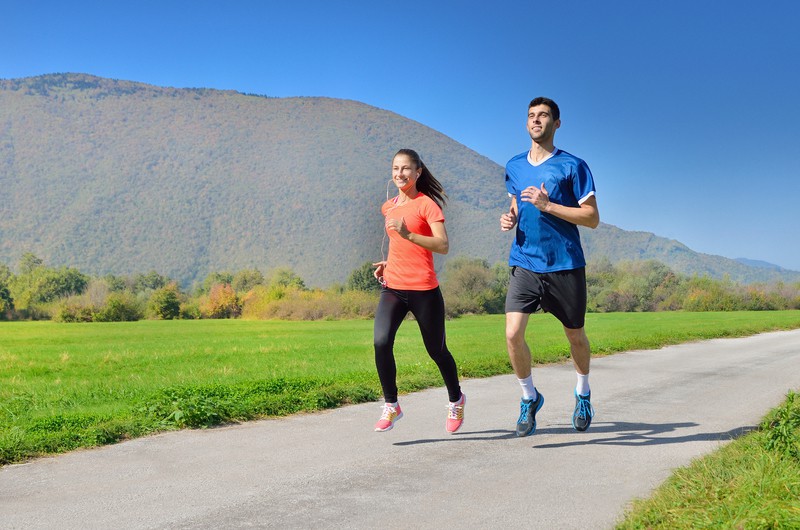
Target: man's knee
{"type": "Point", "coordinates": [515, 332]}
{"type": "Point", "coordinates": [577, 337]}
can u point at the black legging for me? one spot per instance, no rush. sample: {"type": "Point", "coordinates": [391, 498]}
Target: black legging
{"type": "Point", "coordinates": [428, 308]}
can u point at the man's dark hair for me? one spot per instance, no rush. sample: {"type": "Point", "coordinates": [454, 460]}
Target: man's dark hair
{"type": "Point", "coordinates": [550, 103]}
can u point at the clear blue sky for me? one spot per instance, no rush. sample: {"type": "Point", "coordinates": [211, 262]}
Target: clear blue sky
{"type": "Point", "coordinates": [686, 111]}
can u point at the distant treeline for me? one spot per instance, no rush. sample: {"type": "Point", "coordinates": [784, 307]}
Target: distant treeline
{"type": "Point", "coordinates": [470, 286]}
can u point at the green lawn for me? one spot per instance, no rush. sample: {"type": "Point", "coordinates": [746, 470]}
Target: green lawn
{"type": "Point", "coordinates": [64, 386]}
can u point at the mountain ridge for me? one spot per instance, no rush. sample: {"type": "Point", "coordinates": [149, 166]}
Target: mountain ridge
{"type": "Point", "coordinates": [121, 177]}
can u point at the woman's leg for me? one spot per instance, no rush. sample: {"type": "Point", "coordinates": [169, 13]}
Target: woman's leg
{"type": "Point", "coordinates": [391, 311]}
{"type": "Point", "coordinates": [428, 308]}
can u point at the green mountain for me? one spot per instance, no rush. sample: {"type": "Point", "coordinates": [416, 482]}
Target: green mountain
{"type": "Point", "coordinates": [616, 245]}
{"type": "Point", "coordinates": [121, 177]}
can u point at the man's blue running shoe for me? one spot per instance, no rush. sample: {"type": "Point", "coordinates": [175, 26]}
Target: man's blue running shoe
{"type": "Point", "coordinates": [526, 424]}
{"type": "Point", "coordinates": [584, 412]}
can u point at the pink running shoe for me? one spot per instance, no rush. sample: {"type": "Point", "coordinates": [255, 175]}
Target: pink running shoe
{"type": "Point", "coordinates": [390, 415]}
{"type": "Point", "coordinates": [455, 414]}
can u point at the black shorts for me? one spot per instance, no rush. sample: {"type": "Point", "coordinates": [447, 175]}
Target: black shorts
{"type": "Point", "coordinates": [561, 293]}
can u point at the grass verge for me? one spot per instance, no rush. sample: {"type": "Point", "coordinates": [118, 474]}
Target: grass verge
{"type": "Point", "coordinates": [752, 482]}
{"type": "Point", "coordinates": [65, 386]}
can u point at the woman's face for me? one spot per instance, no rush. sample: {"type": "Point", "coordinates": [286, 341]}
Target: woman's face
{"type": "Point", "coordinates": [404, 172]}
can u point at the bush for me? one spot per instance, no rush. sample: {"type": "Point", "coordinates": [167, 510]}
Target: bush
{"type": "Point", "coordinates": [295, 304]}
{"type": "Point", "coordinates": [190, 311]}
{"type": "Point", "coordinates": [41, 285]}
{"type": "Point", "coordinates": [165, 303]}
{"type": "Point", "coordinates": [244, 281]}
{"type": "Point", "coordinates": [363, 279]}
{"type": "Point", "coordinates": [73, 312]}
{"type": "Point", "coordinates": [782, 428]}
{"type": "Point", "coordinates": [221, 302]}
{"type": "Point", "coordinates": [119, 307]}
{"type": "Point", "coordinates": [470, 286]}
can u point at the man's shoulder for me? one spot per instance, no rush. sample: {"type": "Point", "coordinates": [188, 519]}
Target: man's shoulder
{"type": "Point", "coordinates": [565, 157]}
{"type": "Point", "coordinates": [522, 157]}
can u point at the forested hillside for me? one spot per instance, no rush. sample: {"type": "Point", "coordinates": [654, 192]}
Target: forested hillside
{"type": "Point", "coordinates": [121, 177]}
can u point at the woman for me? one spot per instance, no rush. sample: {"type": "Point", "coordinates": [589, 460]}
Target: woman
{"type": "Point", "coordinates": [415, 227]}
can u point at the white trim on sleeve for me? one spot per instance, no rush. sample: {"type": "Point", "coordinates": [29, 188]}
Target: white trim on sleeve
{"type": "Point", "coordinates": [583, 199]}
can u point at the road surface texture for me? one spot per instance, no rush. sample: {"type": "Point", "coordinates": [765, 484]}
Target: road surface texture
{"type": "Point", "coordinates": [655, 411]}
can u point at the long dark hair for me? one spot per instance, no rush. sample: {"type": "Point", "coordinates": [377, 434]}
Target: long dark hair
{"type": "Point", "coordinates": [426, 183]}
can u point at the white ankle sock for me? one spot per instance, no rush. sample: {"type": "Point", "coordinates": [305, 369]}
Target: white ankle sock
{"type": "Point", "coordinates": [528, 390]}
{"type": "Point", "coordinates": [582, 388]}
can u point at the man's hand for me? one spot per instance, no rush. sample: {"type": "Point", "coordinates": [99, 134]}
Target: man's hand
{"type": "Point", "coordinates": [508, 220]}
{"type": "Point", "coordinates": [536, 196]}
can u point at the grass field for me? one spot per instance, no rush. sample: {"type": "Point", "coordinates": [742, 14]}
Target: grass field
{"type": "Point", "coordinates": [64, 386]}
{"type": "Point", "coordinates": [752, 482]}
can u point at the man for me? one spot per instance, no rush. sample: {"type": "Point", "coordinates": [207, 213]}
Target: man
{"type": "Point", "coordinates": [552, 193]}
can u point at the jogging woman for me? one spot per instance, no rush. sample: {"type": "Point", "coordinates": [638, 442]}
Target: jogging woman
{"type": "Point", "coordinates": [415, 227]}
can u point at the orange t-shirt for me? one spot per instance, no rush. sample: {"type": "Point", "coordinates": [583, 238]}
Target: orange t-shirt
{"type": "Point", "coordinates": [409, 266]}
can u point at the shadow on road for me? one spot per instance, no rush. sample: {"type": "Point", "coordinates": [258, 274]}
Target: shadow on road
{"type": "Point", "coordinates": [641, 434]}
{"type": "Point", "coordinates": [624, 433]}
{"type": "Point", "coordinates": [496, 434]}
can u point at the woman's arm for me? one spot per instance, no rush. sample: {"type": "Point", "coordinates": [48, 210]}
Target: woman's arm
{"type": "Point", "coordinates": [437, 242]}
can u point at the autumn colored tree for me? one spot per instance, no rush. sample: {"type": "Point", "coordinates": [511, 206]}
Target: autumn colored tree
{"type": "Point", "coordinates": [222, 302]}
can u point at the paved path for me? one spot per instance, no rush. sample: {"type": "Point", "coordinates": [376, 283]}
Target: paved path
{"type": "Point", "coordinates": [656, 410]}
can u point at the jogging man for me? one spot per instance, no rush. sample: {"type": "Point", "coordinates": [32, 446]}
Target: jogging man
{"type": "Point", "coordinates": [552, 193]}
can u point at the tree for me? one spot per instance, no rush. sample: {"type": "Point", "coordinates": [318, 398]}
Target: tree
{"type": "Point", "coordinates": [215, 278]}
{"type": "Point", "coordinates": [165, 303]}
{"type": "Point", "coordinates": [286, 278]}
{"type": "Point", "coordinates": [469, 286]}
{"type": "Point", "coordinates": [5, 274]}
{"type": "Point", "coordinates": [222, 302]}
{"type": "Point", "coordinates": [362, 279]}
{"type": "Point", "coordinates": [120, 306]}
{"type": "Point", "coordinates": [149, 282]}
{"type": "Point", "coordinates": [41, 284]}
{"type": "Point", "coordinates": [29, 262]}
{"type": "Point", "coordinates": [115, 283]}
{"type": "Point", "coordinates": [245, 280]}
{"type": "Point", "coordinates": [6, 302]}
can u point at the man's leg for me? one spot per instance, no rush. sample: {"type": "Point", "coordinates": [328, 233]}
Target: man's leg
{"type": "Point", "coordinates": [518, 352]}
{"type": "Point", "coordinates": [520, 355]}
{"type": "Point", "coordinates": [581, 354]}
{"type": "Point", "coordinates": [579, 349]}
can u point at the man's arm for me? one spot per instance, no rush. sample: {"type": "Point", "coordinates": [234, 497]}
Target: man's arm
{"type": "Point", "coordinates": [586, 214]}
{"type": "Point", "coordinates": [509, 219]}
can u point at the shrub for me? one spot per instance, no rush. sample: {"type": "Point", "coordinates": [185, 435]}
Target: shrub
{"type": "Point", "coordinates": [296, 304]}
{"type": "Point", "coordinates": [222, 302]}
{"type": "Point", "coordinates": [190, 311]}
{"type": "Point", "coordinates": [72, 312]}
{"type": "Point", "coordinates": [165, 303]}
{"type": "Point", "coordinates": [470, 287]}
{"type": "Point", "coordinates": [363, 279]}
{"type": "Point", "coordinates": [245, 280]}
{"type": "Point", "coordinates": [782, 428]}
{"type": "Point", "coordinates": [119, 307]}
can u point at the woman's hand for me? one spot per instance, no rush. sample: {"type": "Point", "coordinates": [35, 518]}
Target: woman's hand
{"type": "Point", "coordinates": [399, 226]}
{"type": "Point", "coordinates": [378, 272]}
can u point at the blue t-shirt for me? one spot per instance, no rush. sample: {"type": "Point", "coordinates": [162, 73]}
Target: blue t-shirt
{"type": "Point", "coordinates": [543, 242]}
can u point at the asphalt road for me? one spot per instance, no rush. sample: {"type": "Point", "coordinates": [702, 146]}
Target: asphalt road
{"type": "Point", "coordinates": [655, 411]}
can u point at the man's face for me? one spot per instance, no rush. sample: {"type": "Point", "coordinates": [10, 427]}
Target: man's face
{"type": "Point", "coordinates": [541, 125]}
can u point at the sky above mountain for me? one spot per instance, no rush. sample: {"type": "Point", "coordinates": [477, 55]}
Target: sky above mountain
{"type": "Point", "coordinates": [685, 111]}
